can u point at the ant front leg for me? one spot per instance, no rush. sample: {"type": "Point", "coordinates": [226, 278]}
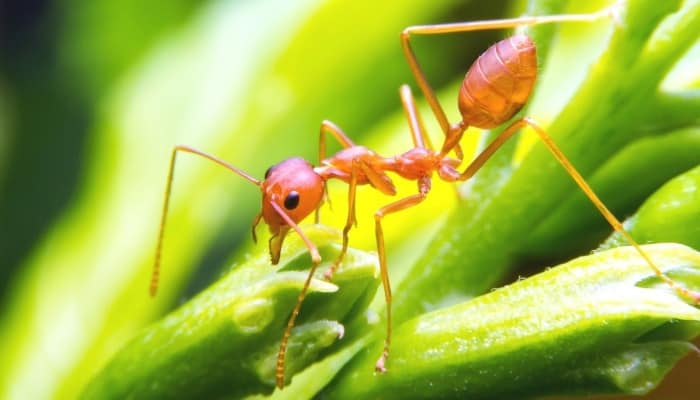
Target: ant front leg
{"type": "Point", "coordinates": [379, 181]}
{"type": "Point", "coordinates": [453, 132]}
{"type": "Point", "coordinates": [479, 161]}
{"type": "Point", "coordinates": [423, 189]}
{"type": "Point", "coordinates": [326, 128]}
{"type": "Point", "coordinates": [315, 261]}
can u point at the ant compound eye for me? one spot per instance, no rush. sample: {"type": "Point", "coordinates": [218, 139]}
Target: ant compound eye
{"type": "Point", "coordinates": [267, 173]}
{"type": "Point", "coordinates": [292, 200]}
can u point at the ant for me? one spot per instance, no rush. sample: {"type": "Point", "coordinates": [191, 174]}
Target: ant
{"type": "Point", "coordinates": [495, 88]}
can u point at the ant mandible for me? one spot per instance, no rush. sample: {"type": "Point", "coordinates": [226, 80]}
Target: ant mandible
{"type": "Point", "coordinates": [495, 88]}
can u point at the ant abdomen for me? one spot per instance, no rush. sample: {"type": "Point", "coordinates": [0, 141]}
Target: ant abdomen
{"type": "Point", "coordinates": [499, 82]}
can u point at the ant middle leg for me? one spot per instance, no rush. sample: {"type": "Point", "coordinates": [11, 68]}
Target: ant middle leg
{"type": "Point", "coordinates": [418, 131]}
{"type": "Point", "coordinates": [410, 201]}
{"type": "Point", "coordinates": [415, 122]}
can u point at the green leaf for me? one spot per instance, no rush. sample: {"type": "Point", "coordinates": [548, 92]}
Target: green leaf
{"type": "Point", "coordinates": [670, 214]}
{"type": "Point", "coordinates": [250, 82]}
{"type": "Point", "coordinates": [597, 324]}
{"type": "Point", "coordinates": [575, 225]}
{"type": "Point", "coordinates": [224, 342]}
{"type": "Point", "coordinates": [234, 79]}
{"type": "Point", "coordinates": [496, 217]}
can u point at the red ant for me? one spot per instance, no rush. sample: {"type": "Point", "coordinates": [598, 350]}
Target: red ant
{"type": "Point", "coordinates": [494, 89]}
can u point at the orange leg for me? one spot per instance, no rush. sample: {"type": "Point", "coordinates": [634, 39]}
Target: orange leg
{"type": "Point", "coordinates": [315, 261]}
{"type": "Point", "coordinates": [375, 179]}
{"type": "Point", "coordinates": [452, 132]}
{"type": "Point", "coordinates": [423, 188]}
{"type": "Point", "coordinates": [326, 128]}
{"type": "Point", "coordinates": [479, 161]}
{"type": "Point", "coordinates": [415, 122]}
{"type": "Point", "coordinates": [166, 202]}
{"type": "Point", "coordinates": [351, 220]}
{"type": "Point", "coordinates": [338, 134]}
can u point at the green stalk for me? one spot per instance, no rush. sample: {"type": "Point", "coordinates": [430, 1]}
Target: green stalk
{"type": "Point", "coordinates": [224, 342]}
{"type": "Point", "coordinates": [569, 330]}
{"type": "Point", "coordinates": [670, 215]}
{"type": "Point", "coordinates": [648, 162]}
{"type": "Point", "coordinates": [477, 247]}
{"type": "Point", "coordinates": [597, 324]}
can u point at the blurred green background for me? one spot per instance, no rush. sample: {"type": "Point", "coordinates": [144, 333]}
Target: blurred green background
{"type": "Point", "coordinates": [94, 94]}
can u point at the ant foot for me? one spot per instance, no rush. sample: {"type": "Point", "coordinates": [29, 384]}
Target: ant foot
{"type": "Point", "coordinates": [341, 332]}
{"type": "Point", "coordinates": [330, 271]}
{"type": "Point", "coordinates": [379, 366]}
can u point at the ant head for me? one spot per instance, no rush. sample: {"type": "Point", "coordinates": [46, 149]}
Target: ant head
{"type": "Point", "coordinates": [296, 189]}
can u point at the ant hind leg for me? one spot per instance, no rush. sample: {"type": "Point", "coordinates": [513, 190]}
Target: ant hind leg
{"type": "Point", "coordinates": [415, 122]}
{"type": "Point", "coordinates": [410, 201]}
{"type": "Point", "coordinates": [511, 130]}
{"type": "Point", "coordinates": [454, 131]}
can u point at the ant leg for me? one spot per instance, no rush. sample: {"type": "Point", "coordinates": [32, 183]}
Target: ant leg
{"type": "Point", "coordinates": [315, 261]}
{"type": "Point", "coordinates": [410, 201]}
{"type": "Point", "coordinates": [351, 220]}
{"type": "Point", "coordinates": [583, 185]}
{"type": "Point", "coordinates": [453, 132]}
{"type": "Point", "coordinates": [254, 225]}
{"type": "Point", "coordinates": [338, 134]}
{"type": "Point", "coordinates": [155, 275]}
{"type": "Point", "coordinates": [380, 182]}
{"type": "Point", "coordinates": [419, 135]}
{"type": "Point", "coordinates": [415, 122]}
{"type": "Point", "coordinates": [343, 139]}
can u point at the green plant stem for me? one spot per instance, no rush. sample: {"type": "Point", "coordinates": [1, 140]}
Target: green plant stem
{"type": "Point", "coordinates": [597, 324]}
{"type": "Point", "coordinates": [673, 109]}
{"type": "Point", "coordinates": [224, 342]}
{"type": "Point", "coordinates": [483, 234]}
{"type": "Point", "coordinates": [633, 174]}
{"type": "Point", "coordinates": [670, 214]}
